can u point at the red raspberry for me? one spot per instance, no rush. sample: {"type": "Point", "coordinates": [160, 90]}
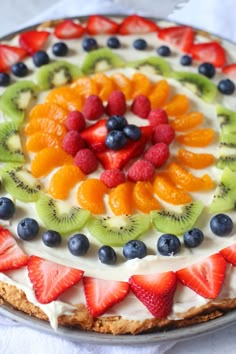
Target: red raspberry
{"type": "Point", "coordinates": [86, 160]}
{"type": "Point", "coordinates": [93, 108]}
{"type": "Point", "coordinates": [141, 106]}
{"type": "Point", "coordinates": [72, 142]}
{"type": "Point", "coordinates": [163, 133]}
{"type": "Point", "coordinates": [116, 104]}
{"type": "Point", "coordinates": [157, 116]}
{"type": "Point", "coordinates": [157, 154]}
{"type": "Point", "coordinates": [141, 170]}
{"type": "Point", "coordinates": [75, 121]}
{"type": "Point", "coordinates": [113, 177]}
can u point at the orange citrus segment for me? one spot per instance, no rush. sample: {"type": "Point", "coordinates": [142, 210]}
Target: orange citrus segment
{"type": "Point", "coordinates": [141, 85]}
{"type": "Point", "coordinates": [178, 105]}
{"type": "Point", "coordinates": [194, 160]}
{"type": "Point", "coordinates": [40, 140]}
{"type": "Point", "coordinates": [45, 125]}
{"type": "Point", "coordinates": [159, 94]}
{"type": "Point", "coordinates": [197, 138]}
{"type": "Point", "coordinates": [187, 121]}
{"type": "Point", "coordinates": [66, 98]}
{"type": "Point", "coordinates": [105, 85]}
{"type": "Point", "coordinates": [85, 86]}
{"type": "Point", "coordinates": [123, 84]}
{"type": "Point", "coordinates": [120, 199]}
{"type": "Point", "coordinates": [48, 110]}
{"type": "Point", "coordinates": [90, 195]}
{"type": "Point", "coordinates": [143, 197]}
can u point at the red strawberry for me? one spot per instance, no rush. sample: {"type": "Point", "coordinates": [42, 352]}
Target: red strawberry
{"type": "Point", "coordinates": [135, 24]}
{"type": "Point", "coordinates": [155, 291]}
{"type": "Point", "coordinates": [10, 55]}
{"type": "Point", "coordinates": [205, 277]}
{"type": "Point", "coordinates": [230, 70]}
{"type": "Point", "coordinates": [68, 29]}
{"type": "Point", "coordinates": [102, 294]}
{"type": "Point", "coordinates": [116, 104]}
{"type": "Point", "coordinates": [93, 107]}
{"type": "Point", "coordinates": [51, 279]}
{"type": "Point", "coordinates": [98, 24]}
{"type": "Point", "coordinates": [32, 41]}
{"type": "Point", "coordinates": [180, 37]}
{"type": "Point", "coordinates": [229, 254]}
{"type": "Point", "coordinates": [211, 52]}
{"type": "Point", "coordinates": [11, 256]}
{"type": "Point", "coordinates": [95, 135]}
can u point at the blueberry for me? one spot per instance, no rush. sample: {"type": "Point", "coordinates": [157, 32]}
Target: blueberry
{"type": "Point", "coordinates": [116, 140]}
{"type": "Point", "coordinates": [134, 249]}
{"type": "Point", "coordinates": [4, 79]}
{"type": "Point", "coordinates": [60, 49]}
{"type": "Point", "coordinates": [140, 44]}
{"type": "Point", "coordinates": [132, 131]}
{"type": "Point", "coordinates": [221, 225]}
{"type": "Point", "coordinates": [113, 42]}
{"type": "Point", "coordinates": [7, 208]}
{"type": "Point", "coordinates": [168, 244]}
{"type": "Point", "coordinates": [116, 123]}
{"type": "Point", "coordinates": [78, 245]}
{"type": "Point", "coordinates": [89, 44]}
{"type": "Point", "coordinates": [107, 255]}
{"type": "Point", "coordinates": [226, 87]}
{"type": "Point", "coordinates": [51, 238]}
{"type": "Point", "coordinates": [27, 229]}
{"type": "Point", "coordinates": [40, 58]}
{"type": "Point", "coordinates": [185, 60]}
{"type": "Point", "coordinates": [193, 238]}
{"type": "Point", "coordinates": [163, 51]}
{"type": "Point", "coordinates": [19, 69]}
{"type": "Point", "coordinates": [207, 69]}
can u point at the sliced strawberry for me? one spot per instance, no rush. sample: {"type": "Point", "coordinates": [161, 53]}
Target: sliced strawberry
{"type": "Point", "coordinates": [102, 294]}
{"type": "Point", "coordinates": [50, 279]}
{"type": "Point", "coordinates": [155, 291]}
{"type": "Point", "coordinates": [135, 24]}
{"type": "Point", "coordinates": [95, 135]}
{"type": "Point", "coordinates": [10, 55]}
{"type": "Point", "coordinates": [230, 70]}
{"type": "Point", "coordinates": [32, 41]}
{"type": "Point", "coordinates": [211, 52]}
{"type": "Point", "coordinates": [229, 254]}
{"type": "Point", "coordinates": [180, 37]}
{"type": "Point", "coordinates": [98, 24]}
{"type": "Point", "coordinates": [68, 29]}
{"type": "Point", "coordinates": [205, 277]}
{"type": "Point", "coordinates": [11, 256]}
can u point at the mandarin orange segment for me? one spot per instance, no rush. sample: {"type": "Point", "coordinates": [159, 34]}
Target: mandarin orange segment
{"type": "Point", "coordinates": [48, 110]}
{"type": "Point", "coordinates": [90, 195]}
{"type": "Point", "coordinates": [47, 159]}
{"type": "Point", "coordinates": [120, 199]}
{"type": "Point", "coordinates": [197, 138]}
{"type": "Point", "coordinates": [143, 197]}
{"type": "Point", "coordinates": [187, 121]}
{"type": "Point", "coordinates": [40, 140]}
{"type": "Point", "coordinates": [105, 85]}
{"type": "Point", "coordinates": [178, 105]}
{"type": "Point", "coordinates": [194, 160]}
{"type": "Point", "coordinates": [141, 85]}
{"type": "Point", "coordinates": [123, 83]}
{"type": "Point", "coordinates": [64, 180]}
{"type": "Point", "coordinates": [85, 86]}
{"type": "Point", "coordinates": [45, 125]}
{"type": "Point", "coordinates": [66, 98]}
{"type": "Point", "coordinates": [159, 94]}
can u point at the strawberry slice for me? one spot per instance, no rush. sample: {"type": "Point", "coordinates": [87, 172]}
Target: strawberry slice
{"type": "Point", "coordinates": [229, 254]}
{"type": "Point", "coordinates": [68, 29]}
{"type": "Point", "coordinates": [95, 135]}
{"type": "Point", "coordinates": [135, 24]}
{"type": "Point", "coordinates": [100, 24]}
{"type": "Point", "coordinates": [180, 37]}
{"type": "Point", "coordinates": [205, 277]}
{"type": "Point", "coordinates": [230, 70]}
{"type": "Point", "coordinates": [10, 55]}
{"type": "Point", "coordinates": [155, 291]}
{"type": "Point", "coordinates": [32, 41]}
{"type": "Point", "coordinates": [11, 256]}
{"type": "Point", "coordinates": [102, 294]}
{"type": "Point", "coordinates": [50, 279]}
{"type": "Point", "coordinates": [211, 52]}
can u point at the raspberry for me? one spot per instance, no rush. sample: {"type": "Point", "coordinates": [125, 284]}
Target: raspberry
{"type": "Point", "coordinates": [72, 142]}
{"type": "Point", "coordinates": [157, 154]}
{"type": "Point", "coordinates": [93, 107]}
{"type": "Point", "coordinates": [157, 116]}
{"type": "Point", "coordinates": [113, 177]}
{"type": "Point", "coordinates": [141, 170]}
{"type": "Point", "coordinates": [116, 104]}
{"type": "Point", "coordinates": [163, 133]}
{"type": "Point", "coordinates": [75, 121]}
{"type": "Point", "coordinates": [141, 106]}
{"type": "Point", "coordinates": [86, 160]}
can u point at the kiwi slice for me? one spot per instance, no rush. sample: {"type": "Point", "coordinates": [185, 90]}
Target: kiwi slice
{"type": "Point", "coordinates": [117, 230]}
{"type": "Point", "coordinates": [227, 119]}
{"type": "Point", "coordinates": [10, 144]}
{"type": "Point", "coordinates": [177, 222]}
{"type": "Point", "coordinates": [20, 183]}
{"type": "Point", "coordinates": [57, 74]}
{"type": "Point", "coordinates": [199, 84]}
{"type": "Point", "coordinates": [228, 141]}
{"type": "Point", "coordinates": [16, 99]}
{"type": "Point", "coordinates": [227, 160]}
{"type": "Point", "coordinates": [101, 60]}
{"type": "Point", "coordinates": [60, 216]}
{"type": "Point", "coordinates": [151, 65]}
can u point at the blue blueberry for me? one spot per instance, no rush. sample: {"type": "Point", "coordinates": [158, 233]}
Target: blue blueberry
{"type": "Point", "coordinates": [115, 140]}
{"type": "Point", "coordinates": [113, 42]}
{"type": "Point", "coordinates": [226, 87]}
{"type": "Point", "coordinates": [89, 44]}
{"type": "Point", "coordinates": [134, 249]}
{"type": "Point", "coordinates": [132, 131]}
{"type": "Point", "coordinates": [51, 238]}
{"type": "Point", "coordinates": [168, 244]}
{"type": "Point", "coordinates": [116, 123]}
{"type": "Point", "coordinates": [78, 245]}
{"type": "Point", "coordinates": [27, 229]}
{"type": "Point", "coordinates": [4, 79]}
{"type": "Point", "coordinates": [193, 238]}
{"type": "Point", "coordinates": [186, 60]}
{"type": "Point", "coordinates": [140, 44]}
{"type": "Point", "coordinates": [107, 255]}
{"type": "Point", "coordinates": [207, 69]}
{"type": "Point", "coordinates": [60, 49]}
{"type": "Point", "coordinates": [7, 208]}
{"type": "Point", "coordinates": [221, 225]}
{"type": "Point", "coordinates": [19, 69]}
{"type": "Point", "coordinates": [40, 58]}
{"type": "Point", "coordinates": [164, 51]}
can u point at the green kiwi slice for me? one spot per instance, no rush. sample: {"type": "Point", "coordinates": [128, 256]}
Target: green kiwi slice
{"type": "Point", "coordinates": [16, 99]}
{"type": "Point", "coordinates": [227, 160]}
{"type": "Point", "coordinates": [151, 65]}
{"type": "Point", "coordinates": [117, 230]}
{"type": "Point", "coordinates": [10, 144]}
{"type": "Point", "coordinates": [177, 222]}
{"type": "Point", "coordinates": [101, 60]}
{"type": "Point", "coordinates": [60, 216]}
{"type": "Point", "coordinates": [228, 141]}
{"type": "Point", "coordinates": [57, 74]}
{"type": "Point", "coordinates": [227, 119]}
{"type": "Point", "coordinates": [199, 84]}
{"type": "Point", "coordinates": [20, 183]}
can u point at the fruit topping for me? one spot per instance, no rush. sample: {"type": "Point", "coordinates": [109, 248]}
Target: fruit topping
{"type": "Point", "coordinates": [90, 195]}
{"type": "Point", "coordinates": [122, 83]}
{"type": "Point", "coordinates": [68, 29]}
{"type": "Point", "coordinates": [78, 244]}
{"type": "Point", "coordinates": [107, 255]}
{"type": "Point", "coordinates": [141, 106]}
{"type": "Point", "coordinates": [32, 41]}
{"type": "Point", "coordinates": [51, 238]}
{"type": "Point", "coordinates": [221, 225]}
{"type": "Point", "coordinates": [135, 24]}
{"type": "Point", "coordinates": [141, 87]}
{"type": "Point", "coordinates": [168, 245]}
{"type": "Point", "coordinates": [132, 132]}
{"type": "Point", "coordinates": [226, 86]}
{"type": "Point", "coordinates": [43, 125]}
{"type": "Point", "coordinates": [141, 170]}
{"type": "Point", "coordinates": [193, 238]}
{"type": "Point", "coordinates": [229, 254]}
{"type": "Point", "coordinates": [157, 154]}
{"type": "Point", "coordinates": [185, 60]}
{"type": "Point", "coordinates": [207, 69]}
{"type": "Point", "coordinates": [163, 133]}
{"type": "Point", "coordinates": [134, 249]}
{"type": "Point", "coordinates": [4, 79]}
{"type": "Point", "coordinates": [120, 199]}
{"type": "Point", "coordinates": [187, 121]}
{"type": "Point", "coordinates": [89, 44]}
{"type": "Point", "coordinates": [98, 24]}
{"type": "Point", "coordinates": [48, 110]}
{"type": "Point", "coordinates": [140, 44]}
{"type": "Point", "coordinates": [163, 51]}
{"type": "Point", "coordinates": [230, 70]}
{"type": "Point", "coordinates": [115, 140]}
{"type": "Point", "coordinates": [178, 105]}
{"type": "Point", "coordinates": [211, 52]}
{"type": "Point", "coordinates": [10, 144]}
{"type": "Point", "coordinates": [113, 177]}
{"type": "Point", "coordinates": [10, 55]}
{"type": "Point", "coordinates": [95, 135]}
{"type": "Point", "coordinates": [86, 160]}
{"type": "Point", "coordinates": [40, 58]}
{"type": "Point", "coordinates": [7, 208]}
{"type": "Point", "coordinates": [19, 69]}
{"type": "Point", "coordinates": [72, 142]}
{"type": "Point", "coordinates": [180, 37]}
{"type": "Point", "coordinates": [93, 108]}
{"type": "Point", "coordinates": [113, 42]}
{"type": "Point", "coordinates": [116, 103]}
{"type": "Point", "coordinates": [27, 229]}
{"type": "Point", "coordinates": [159, 94]}
{"type": "Point", "coordinates": [197, 138]}
{"type": "Point", "coordinates": [227, 119]}
{"type": "Point", "coordinates": [75, 121]}
{"type": "Point", "coordinates": [60, 49]}
{"type": "Point", "coordinates": [194, 160]}
{"type": "Point", "coordinates": [143, 197]}
{"type": "Point", "coordinates": [157, 116]}
{"type": "Point", "coordinates": [85, 86]}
